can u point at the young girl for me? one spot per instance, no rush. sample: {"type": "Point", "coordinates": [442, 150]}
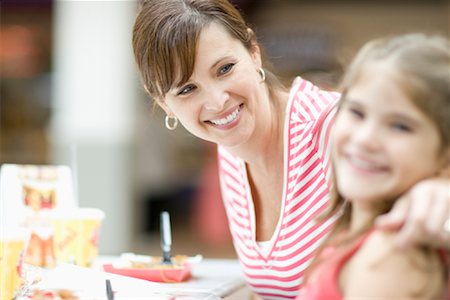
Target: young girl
{"type": "Point", "coordinates": [392, 130]}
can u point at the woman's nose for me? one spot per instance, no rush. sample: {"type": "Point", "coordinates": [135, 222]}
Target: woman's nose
{"type": "Point", "coordinates": [215, 99]}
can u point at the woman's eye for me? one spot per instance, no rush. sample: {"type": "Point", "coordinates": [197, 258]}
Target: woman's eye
{"type": "Point", "coordinates": [225, 69]}
{"type": "Point", "coordinates": [185, 90]}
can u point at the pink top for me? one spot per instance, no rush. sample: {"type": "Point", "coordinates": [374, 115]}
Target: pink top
{"type": "Point", "coordinates": [327, 287]}
{"type": "Point", "coordinates": [278, 272]}
{"type": "Point", "coordinates": [328, 272]}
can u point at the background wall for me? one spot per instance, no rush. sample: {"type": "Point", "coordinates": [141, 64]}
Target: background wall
{"type": "Point", "coordinates": [93, 100]}
{"type": "Point", "coordinates": [69, 89]}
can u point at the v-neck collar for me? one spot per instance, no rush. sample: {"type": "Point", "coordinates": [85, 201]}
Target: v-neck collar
{"type": "Point", "coordinates": [266, 255]}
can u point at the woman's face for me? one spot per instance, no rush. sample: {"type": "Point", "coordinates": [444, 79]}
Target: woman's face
{"type": "Point", "coordinates": [221, 102]}
{"type": "Point", "coordinates": [383, 143]}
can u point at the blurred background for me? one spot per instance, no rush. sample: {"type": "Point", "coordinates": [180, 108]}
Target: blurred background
{"type": "Point", "coordinates": [70, 94]}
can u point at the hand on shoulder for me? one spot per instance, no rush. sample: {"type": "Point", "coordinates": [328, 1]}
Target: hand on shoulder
{"type": "Point", "coordinates": [380, 270]}
{"type": "Point", "coordinates": [421, 214]}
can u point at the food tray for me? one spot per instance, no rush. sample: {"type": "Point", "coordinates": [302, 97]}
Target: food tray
{"type": "Point", "coordinates": [163, 273]}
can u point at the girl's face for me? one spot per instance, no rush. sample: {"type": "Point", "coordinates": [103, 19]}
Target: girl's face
{"type": "Point", "coordinates": [383, 143]}
{"type": "Point", "coordinates": [222, 99]}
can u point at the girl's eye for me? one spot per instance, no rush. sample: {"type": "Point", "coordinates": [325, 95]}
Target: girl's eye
{"type": "Point", "coordinates": [399, 126]}
{"type": "Point", "coordinates": [356, 113]}
{"type": "Point", "coordinates": [225, 69]}
{"type": "Point", "coordinates": [186, 89]}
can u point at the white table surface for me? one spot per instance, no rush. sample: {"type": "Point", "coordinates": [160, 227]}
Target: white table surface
{"type": "Point", "coordinates": [211, 279]}
{"type": "Point", "coordinates": [219, 277]}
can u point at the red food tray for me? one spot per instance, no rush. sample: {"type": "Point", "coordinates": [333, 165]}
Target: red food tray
{"type": "Point", "coordinates": [158, 274]}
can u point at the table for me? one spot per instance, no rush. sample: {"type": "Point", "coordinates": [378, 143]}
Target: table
{"type": "Point", "coordinates": [211, 279]}
{"type": "Point", "coordinates": [217, 277]}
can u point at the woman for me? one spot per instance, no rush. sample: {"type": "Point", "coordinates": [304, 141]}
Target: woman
{"type": "Point", "coordinates": [202, 64]}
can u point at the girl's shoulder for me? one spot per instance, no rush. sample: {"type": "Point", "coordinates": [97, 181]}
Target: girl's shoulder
{"type": "Point", "coordinates": [379, 269]}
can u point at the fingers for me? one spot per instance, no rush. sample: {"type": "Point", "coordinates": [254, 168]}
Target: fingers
{"type": "Point", "coordinates": [446, 235]}
{"type": "Point", "coordinates": [414, 228]}
{"type": "Point", "coordinates": [424, 223]}
{"type": "Point", "coordinates": [394, 219]}
{"type": "Point", "coordinates": [420, 215]}
{"type": "Point", "coordinates": [439, 213]}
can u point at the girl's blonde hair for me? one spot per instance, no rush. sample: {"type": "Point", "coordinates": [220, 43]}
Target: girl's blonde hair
{"type": "Point", "coordinates": [422, 66]}
{"type": "Point", "coordinates": [422, 63]}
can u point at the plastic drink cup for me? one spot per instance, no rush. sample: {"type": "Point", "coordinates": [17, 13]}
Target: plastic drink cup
{"type": "Point", "coordinates": [12, 248]}
{"type": "Point", "coordinates": [76, 234]}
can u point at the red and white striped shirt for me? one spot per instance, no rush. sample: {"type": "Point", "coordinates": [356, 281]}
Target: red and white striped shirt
{"type": "Point", "coordinates": [278, 273]}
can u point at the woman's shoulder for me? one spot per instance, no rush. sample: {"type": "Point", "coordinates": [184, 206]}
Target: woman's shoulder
{"type": "Point", "coordinates": [380, 269]}
{"type": "Point", "coordinates": [308, 102]}
{"type": "Point", "coordinates": [304, 86]}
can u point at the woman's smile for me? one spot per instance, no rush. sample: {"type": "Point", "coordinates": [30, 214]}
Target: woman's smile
{"type": "Point", "coordinates": [228, 119]}
{"type": "Point", "coordinates": [224, 95]}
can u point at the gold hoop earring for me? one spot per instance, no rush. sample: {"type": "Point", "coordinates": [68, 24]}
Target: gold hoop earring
{"type": "Point", "coordinates": [174, 124]}
{"type": "Point", "coordinates": [262, 73]}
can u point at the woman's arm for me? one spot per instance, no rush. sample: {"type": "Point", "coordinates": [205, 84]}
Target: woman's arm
{"type": "Point", "coordinates": [421, 215]}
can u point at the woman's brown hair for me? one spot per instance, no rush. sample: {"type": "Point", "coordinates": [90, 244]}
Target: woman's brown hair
{"type": "Point", "coordinates": [165, 38]}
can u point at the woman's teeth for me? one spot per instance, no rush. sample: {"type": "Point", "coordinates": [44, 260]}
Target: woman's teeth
{"type": "Point", "coordinates": [228, 119]}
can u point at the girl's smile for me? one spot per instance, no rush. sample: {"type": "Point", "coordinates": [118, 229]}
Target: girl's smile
{"type": "Point", "coordinates": [366, 166]}
{"type": "Point", "coordinates": [378, 137]}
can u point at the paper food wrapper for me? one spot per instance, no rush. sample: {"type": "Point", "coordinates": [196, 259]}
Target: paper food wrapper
{"type": "Point", "coordinates": [28, 196]}
{"type": "Point", "coordinates": [12, 249]}
{"type": "Point", "coordinates": [76, 234]}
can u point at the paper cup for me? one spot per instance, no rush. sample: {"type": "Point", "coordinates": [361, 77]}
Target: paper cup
{"type": "Point", "coordinates": [76, 235]}
{"type": "Point", "coordinates": [12, 248]}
